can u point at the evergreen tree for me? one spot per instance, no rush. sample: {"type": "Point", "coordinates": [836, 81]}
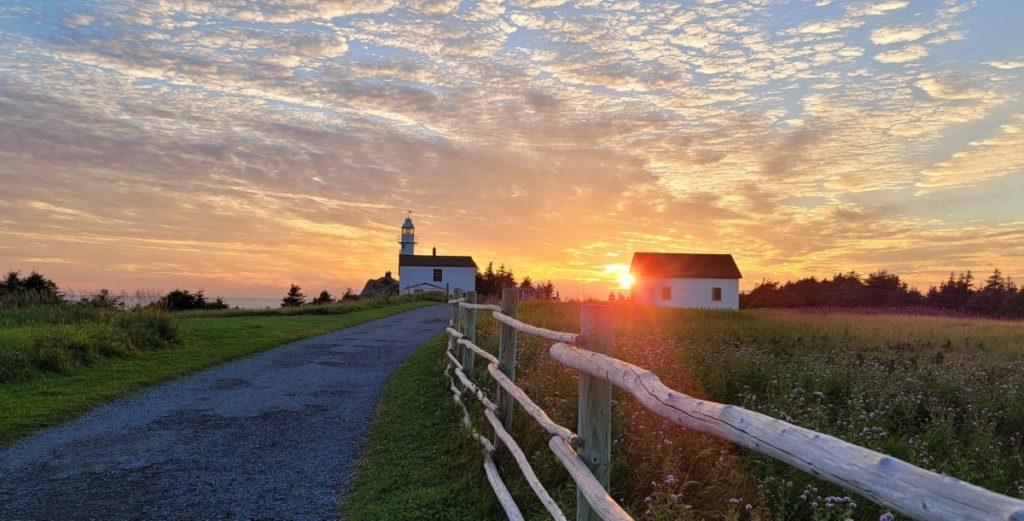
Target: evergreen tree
{"type": "Point", "coordinates": [485, 282]}
{"type": "Point", "coordinates": [294, 298]}
{"type": "Point", "coordinates": [34, 289]}
{"type": "Point", "coordinates": [324, 298]}
{"type": "Point", "coordinates": [546, 291]}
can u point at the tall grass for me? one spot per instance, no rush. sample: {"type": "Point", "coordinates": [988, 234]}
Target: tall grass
{"type": "Point", "coordinates": [61, 338]}
{"type": "Point", "coordinates": [941, 393]}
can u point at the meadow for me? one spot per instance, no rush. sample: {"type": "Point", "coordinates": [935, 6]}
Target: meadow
{"type": "Point", "coordinates": [59, 361]}
{"type": "Point", "coordinates": [942, 393]}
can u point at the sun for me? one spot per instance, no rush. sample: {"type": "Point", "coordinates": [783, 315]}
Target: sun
{"type": "Point", "coordinates": [619, 273]}
{"type": "Point", "coordinates": [626, 280]}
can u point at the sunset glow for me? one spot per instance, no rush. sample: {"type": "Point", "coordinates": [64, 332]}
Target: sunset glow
{"type": "Point", "coordinates": [626, 281]}
{"type": "Point", "coordinates": [243, 146]}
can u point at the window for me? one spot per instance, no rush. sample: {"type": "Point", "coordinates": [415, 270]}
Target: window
{"type": "Point", "coordinates": [666, 293]}
{"type": "Point", "coordinates": [407, 231]}
{"type": "Point", "coordinates": [437, 275]}
{"type": "Point", "coordinates": [716, 294]}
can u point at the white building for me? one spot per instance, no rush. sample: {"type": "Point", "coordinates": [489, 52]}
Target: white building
{"type": "Point", "coordinates": [419, 273]}
{"type": "Point", "coordinates": [686, 280]}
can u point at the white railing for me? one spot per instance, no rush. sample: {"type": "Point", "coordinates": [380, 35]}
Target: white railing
{"type": "Point", "coordinates": [913, 491]}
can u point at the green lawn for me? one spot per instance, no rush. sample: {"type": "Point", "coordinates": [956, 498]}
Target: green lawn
{"type": "Point", "coordinates": [419, 463]}
{"type": "Point", "coordinates": [52, 398]}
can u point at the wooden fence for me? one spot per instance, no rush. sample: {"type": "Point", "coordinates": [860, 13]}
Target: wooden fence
{"type": "Point", "coordinates": [586, 454]}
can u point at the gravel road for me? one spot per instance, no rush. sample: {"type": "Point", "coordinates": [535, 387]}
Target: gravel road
{"type": "Point", "coordinates": [273, 436]}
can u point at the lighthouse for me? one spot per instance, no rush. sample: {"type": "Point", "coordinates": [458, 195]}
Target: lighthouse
{"type": "Point", "coordinates": [429, 273]}
{"type": "Point", "coordinates": [408, 238]}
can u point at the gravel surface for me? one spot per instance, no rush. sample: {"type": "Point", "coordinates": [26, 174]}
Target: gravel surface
{"type": "Point", "coordinates": [273, 436]}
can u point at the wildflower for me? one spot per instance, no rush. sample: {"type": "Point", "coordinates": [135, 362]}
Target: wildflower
{"type": "Point", "coordinates": [648, 499]}
{"type": "Point", "coordinates": [671, 479]}
{"type": "Point", "coordinates": [887, 517]}
{"type": "Point", "coordinates": [749, 507]}
{"type": "Point", "coordinates": [734, 501]}
{"type": "Point", "coordinates": [674, 498]}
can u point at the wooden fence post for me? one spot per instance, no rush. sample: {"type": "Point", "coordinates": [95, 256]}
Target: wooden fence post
{"type": "Point", "coordinates": [595, 406]}
{"type": "Point", "coordinates": [507, 359]}
{"type": "Point", "coordinates": [468, 356]}
{"type": "Point", "coordinates": [456, 322]}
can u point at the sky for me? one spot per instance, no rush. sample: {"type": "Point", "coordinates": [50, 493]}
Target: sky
{"type": "Point", "coordinates": [240, 146]}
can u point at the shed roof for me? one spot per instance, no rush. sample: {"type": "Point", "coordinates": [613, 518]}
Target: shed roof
{"type": "Point", "coordinates": [437, 261]}
{"type": "Point", "coordinates": [685, 265]}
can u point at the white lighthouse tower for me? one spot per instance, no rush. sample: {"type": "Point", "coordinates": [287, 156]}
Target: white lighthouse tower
{"type": "Point", "coordinates": [408, 239]}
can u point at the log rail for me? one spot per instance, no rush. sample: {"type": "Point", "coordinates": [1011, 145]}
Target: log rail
{"type": "Point", "coordinates": [910, 490]}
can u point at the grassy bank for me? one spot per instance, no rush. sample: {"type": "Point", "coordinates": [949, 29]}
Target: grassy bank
{"type": "Point", "coordinates": [418, 462]}
{"type": "Point", "coordinates": [205, 340]}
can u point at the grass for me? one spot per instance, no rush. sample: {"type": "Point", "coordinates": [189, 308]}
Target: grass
{"type": "Point", "coordinates": [942, 393]}
{"type": "Point", "coordinates": [419, 463]}
{"type": "Point", "coordinates": [206, 340]}
{"type": "Point", "coordinates": [61, 338]}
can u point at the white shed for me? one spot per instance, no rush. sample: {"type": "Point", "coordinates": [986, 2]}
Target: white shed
{"type": "Point", "coordinates": [686, 280]}
{"type": "Point", "coordinates": [422, 273]}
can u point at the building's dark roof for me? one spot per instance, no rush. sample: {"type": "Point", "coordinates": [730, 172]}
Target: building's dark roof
{"type": "Point", "coordinates": [685, 265]}
{"type": "Point", "coordinates": [436, 261]}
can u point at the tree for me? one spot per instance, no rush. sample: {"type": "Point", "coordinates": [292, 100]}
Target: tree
{"type": "Point", "coordinates": [953, 293]}
{"type": "Point", "coordinates": [34, 289]}
{"type": "Point", "coordinates": [182, 299]}
{"type": "Point", "coordinates": [105, 300]}
{"type": "Point", "coordinates": [485, 282]}
{"type": "Point", "coordinates": [527, 283]}
{"type": "Point", "coordinates": [995, 297]}
{"type": "Point", "coordinates": [546, 291]}
{"type": "Point", "coordinates": [611, 296]}
{"type": "Point", "coordinates": [294, 298]}
{"type": "Point", "coordinates": [323, 298]}
{"type": "Point", "coordinates": [504, 279]}
{"type": "Point", "coordinates": [349, 295]}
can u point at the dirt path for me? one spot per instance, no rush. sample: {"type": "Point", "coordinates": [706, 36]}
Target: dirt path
{"type": "Point", "coordinates": [273, 436]}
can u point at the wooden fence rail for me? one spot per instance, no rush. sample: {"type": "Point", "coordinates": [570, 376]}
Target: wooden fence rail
{"type": "Point", "coordinates": [913, 491]}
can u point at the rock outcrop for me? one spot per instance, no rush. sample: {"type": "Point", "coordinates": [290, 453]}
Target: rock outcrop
{"type": "Point", "coordinates": [385, 286]}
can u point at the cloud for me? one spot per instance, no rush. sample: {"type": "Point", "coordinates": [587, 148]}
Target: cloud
{"type": "Point", "coordinates": [784, 155]}
{"type": "Point", "coordinates": [987, 159]}
{"type": "Point", "coordinates": [888, 35]}
{"type": "Point", "coordinates": [951, 86]}
{"type": "Point", "coordinates": [239, 145]}
{"type": "Point", "coordinates": [910, 53]}
{"type": "Point", "coordinates": [1006, 64]}
{"type": "Point", "coordinates": [873, 8]}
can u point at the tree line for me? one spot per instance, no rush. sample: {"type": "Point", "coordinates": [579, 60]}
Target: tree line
{"type": "Point", "coordinates": [997, 296]}
{"type": "Point", "coordinates": [491, 281]}
{"type": "Point", "coordinates": [295, 297]}
{"type": "Point", "coordinates": [36, 289]}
